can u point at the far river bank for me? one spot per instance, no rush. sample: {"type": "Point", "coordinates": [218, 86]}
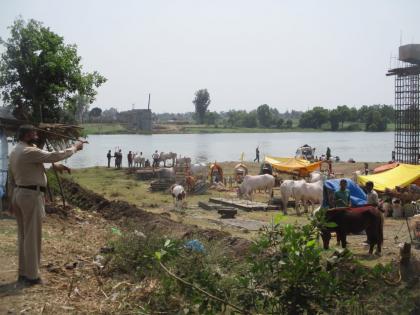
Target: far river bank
{"type": "Point", "coordinates": [117, 128]}
{"type": "Point", "coordinates": [360, 146]}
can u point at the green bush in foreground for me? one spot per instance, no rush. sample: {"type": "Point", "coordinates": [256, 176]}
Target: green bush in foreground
{"type": "Point", "coordinates": [286, 272]}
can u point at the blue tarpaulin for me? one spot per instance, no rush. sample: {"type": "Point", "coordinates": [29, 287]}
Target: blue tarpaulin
{"type": "Point", "coordinates": [357, 195]}
{"type": "Point", "coordinates": [1, 192]}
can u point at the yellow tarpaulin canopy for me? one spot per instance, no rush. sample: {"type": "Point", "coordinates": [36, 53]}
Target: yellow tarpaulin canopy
{"type": "Point", "coordinates": [402, 175]}
{"type": "Point", "coordinates": [292, 165]}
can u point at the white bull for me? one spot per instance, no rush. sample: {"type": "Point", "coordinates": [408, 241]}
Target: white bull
{"type": "Point", "coordinates": [305, 192]}
{"type": "Point", "coordinates": [315, 176]}
{"type": "Point", "coordinates": [254, 182]}
{"type": "Point", "coordinates": [138, 160]}
{"type": "Point", "coordinates": [167, 156]}
{"type": "Point", "coordinates": [286, 190]}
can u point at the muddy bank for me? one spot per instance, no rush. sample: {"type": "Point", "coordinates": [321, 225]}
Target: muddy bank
{"type": "Point", "coordinates": [125, 212]}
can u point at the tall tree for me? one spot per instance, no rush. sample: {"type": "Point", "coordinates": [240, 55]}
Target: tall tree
{"type": "Point", "coordinates": [201, 102]}
{"type": "Point", "coordinates": [264, 115]}
{"type": "Point", "coordinates": [314, 118]}
{"type": "Point", "coordinates": [344, 114]}
{"type": "Point", "coordinates": [39, 73]}
{"type": "Point", "coordinates": [77, 107]}
{"type": "Point", "coordinates": [95, 112]}
{"type": "Point", "coordinates": [335, 119]}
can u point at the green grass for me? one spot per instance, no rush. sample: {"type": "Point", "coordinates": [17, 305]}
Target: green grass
{"type": "Point", "coordinates": [104, 128]}
{"type": "Point", "coordinates": [221, 129]}
{"type": "Point", "coordinates": [117, 185]}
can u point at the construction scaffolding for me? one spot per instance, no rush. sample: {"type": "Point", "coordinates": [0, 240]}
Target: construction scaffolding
{"type": "Point", "coordinates": [407, 109]}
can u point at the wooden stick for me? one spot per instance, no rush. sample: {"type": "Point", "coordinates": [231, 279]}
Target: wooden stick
{"type": "Point", "coordinates": [58, 179]}
{"type": "Point", "coordinates": [409, 230]}
{"type": "Point", "coordinates": [59, 134]}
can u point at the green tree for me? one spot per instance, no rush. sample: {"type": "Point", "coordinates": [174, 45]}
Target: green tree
{"type": "Point", "coordinates": [353, 114]}
{"type": "Point", "coordinates": [289, 124]}
{"type": "Point", "coordinates": [334, 119]}
{"type": "Point", "coordinates": [314, 118]}
{"type": "Point", "coordinates": [211, 118]}
{"type": "Point", "coordinates": [375, 122]}
{"type": "Point", "coordinates": [95, 112]}
{"type": "Point", "coordinates": [344, 114]}
{"type": "Point", "coordinates": [39, 73]}
{"type": "Point", "coordinates": [76, 108]}
{"type": "Point", "coordinates": [250, 120]}
{"type": "Point", "coordinates": [279, 122]}
{"type": "Point", "coordinates": [201, 102]}
{"type": "Point", "coordinates": [264, 116]}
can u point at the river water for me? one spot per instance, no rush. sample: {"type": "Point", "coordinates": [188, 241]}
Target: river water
{"type": "Point", "coordinates": [361, 146]}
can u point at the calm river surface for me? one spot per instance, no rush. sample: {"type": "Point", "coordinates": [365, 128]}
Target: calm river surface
{"type": "Point", "coordinates": [361, 146]}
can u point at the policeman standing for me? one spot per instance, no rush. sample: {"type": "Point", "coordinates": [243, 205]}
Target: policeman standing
{"type": "Point", "coordinates": [27, 186]}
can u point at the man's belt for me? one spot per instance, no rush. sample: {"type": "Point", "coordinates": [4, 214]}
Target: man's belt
{"type": "Point", "coordinates": [34, 187]}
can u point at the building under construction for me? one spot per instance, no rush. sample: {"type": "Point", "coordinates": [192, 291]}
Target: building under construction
{"type": "Point", "coordinates": [407, 108]}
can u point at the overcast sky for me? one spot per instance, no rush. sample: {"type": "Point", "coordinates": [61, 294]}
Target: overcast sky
{"type": "Point", "coordinates": [288, 54]}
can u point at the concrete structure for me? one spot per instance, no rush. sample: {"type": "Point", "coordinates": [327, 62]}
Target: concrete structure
{"type": "Point", "coordinates": [137, 119]}
{"type": "Point", "coordinates": [410, 53]}
{"type": "Point", "coordinates": [5, 120]}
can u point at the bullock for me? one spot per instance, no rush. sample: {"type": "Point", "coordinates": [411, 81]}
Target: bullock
{"type": "Point", "coordinates": [286, 190]}
{"type": "Point", "coordinates": [313, 192]}
{"type": "Point", "coordinates": [167, 156]}
{"type": "Point", "coordinates": [138, 160]}
{"type": "Point", "coordinates": [355, 220]}
{"type": "Point", "coordinates": [252, 183]}
{"type": "Point", "coordinates": [178, 194]}
{"type": "Point", "coordinates": [315, 176]}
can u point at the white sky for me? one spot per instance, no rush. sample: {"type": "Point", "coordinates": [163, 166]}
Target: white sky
{"type": "Point", "coordinates": [288, 54]}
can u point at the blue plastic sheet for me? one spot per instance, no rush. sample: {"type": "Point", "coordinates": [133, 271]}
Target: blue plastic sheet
{"type": "Point", "coordinates": [195, 245]}
{"type": "Point", "coordinates": [1, 192]}
{"type": "Point", "coordinates": [357, 195]}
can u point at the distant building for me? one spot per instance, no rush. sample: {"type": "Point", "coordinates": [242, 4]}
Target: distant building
{"type": "Point", "coordinates": [137, 119]}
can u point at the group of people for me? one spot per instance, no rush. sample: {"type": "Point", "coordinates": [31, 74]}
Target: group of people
{"type": "Point", "coordinates": [342, 196]}
{"type": "Point", "coordinates": [118, 158]}
{"type": "Point", "coordinates": [130, 159]}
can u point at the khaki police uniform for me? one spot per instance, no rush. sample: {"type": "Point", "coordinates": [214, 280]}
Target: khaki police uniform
{"type": "Point", "coordinates": [27, 185]}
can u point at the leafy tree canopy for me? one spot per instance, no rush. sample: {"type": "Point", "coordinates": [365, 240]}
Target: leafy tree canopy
{"type": "Point", "coordinates": [39, 73]}
{"type": "Point", "coordinates": [201, 102]}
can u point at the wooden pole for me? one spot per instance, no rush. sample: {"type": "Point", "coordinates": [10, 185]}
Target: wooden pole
{"type": "Point", "coordinates": [58, 179]}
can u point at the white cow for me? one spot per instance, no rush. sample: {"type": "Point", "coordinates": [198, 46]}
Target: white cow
{"type": "Point", "coordinates": [167, 156]}
{"type": "Point", "coordinates": [178, 194]}
{"type": "Point", "coordinates": [254, 182]}
{"type": "Point", "coordinates": [308, 192]}
{"type": "Point", "coordinates": [138, 160]}
{"type": "Point", "coordinates": [286, 190]}
{"type": "Point", "coordinates": [315, 176]}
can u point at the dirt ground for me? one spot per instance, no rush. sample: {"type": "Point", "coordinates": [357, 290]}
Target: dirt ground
{"type": "Point", "coordinates": [69, 247]}
{"type": "Point", "coordinates": [72, 242]}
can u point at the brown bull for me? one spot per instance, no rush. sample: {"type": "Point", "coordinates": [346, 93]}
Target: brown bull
{"type": "Point", "coordinates": [354, 221]}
